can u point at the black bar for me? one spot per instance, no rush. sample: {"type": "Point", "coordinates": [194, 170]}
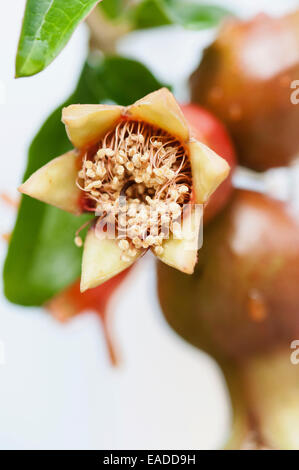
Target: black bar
{"type": "Point", "coordinates": [138, 458]}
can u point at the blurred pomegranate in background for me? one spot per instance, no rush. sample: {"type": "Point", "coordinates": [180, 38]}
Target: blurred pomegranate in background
{"type": "Point", "coordinates": [208, 129]}
{"type": "Point", "coordinates": [245, 79]}
{"type": "Point", "coordinates": [243, 297]}
{"type": "Point", "coordinates": [241, 306]}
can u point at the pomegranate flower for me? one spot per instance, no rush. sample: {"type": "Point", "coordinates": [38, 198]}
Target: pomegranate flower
{"type": "Point", "coordinates": [141, 173]}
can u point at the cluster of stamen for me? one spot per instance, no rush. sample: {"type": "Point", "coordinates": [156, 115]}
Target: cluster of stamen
{"type": "Point", "coordinates": [139, 177]}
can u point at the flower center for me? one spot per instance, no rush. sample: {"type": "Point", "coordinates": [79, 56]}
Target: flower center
{"type": "Point", "coordinates": [141, 175]}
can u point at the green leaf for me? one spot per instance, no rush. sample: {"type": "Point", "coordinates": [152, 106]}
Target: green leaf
{"type": "Point", "coordinates": [195, 15]}
{"type": "Point", "coordinates": [190, 14]}
{"type": "Point", "coordinates": [42, 258]}
{"type": "Point", "coordinates": [47, 27]}
{"type": "Point", "coordinates": [150, 14]}
{"type": "Point", "coordinates": [113, 8]}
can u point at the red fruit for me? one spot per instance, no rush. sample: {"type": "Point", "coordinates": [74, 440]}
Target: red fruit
{"type": "Point", "coordinates": [245, 79]}
{"type": "Point", "coordinates": [243, 298]}
{"type": "Point", "coordinates": [208, 129]}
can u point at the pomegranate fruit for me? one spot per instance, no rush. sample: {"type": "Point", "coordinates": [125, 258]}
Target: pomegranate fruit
{"type": "Point", "coordinates": [246, 78]}
{"type": "Point", "coordinates": [208, 129]}
{"type": "Point", "coordinates": [243, 296]}
{"type": "Point", "coordinates": [241, 307]}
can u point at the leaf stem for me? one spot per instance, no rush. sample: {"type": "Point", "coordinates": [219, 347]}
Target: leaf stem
{"type": "Point", "coordinates": [104, 34]}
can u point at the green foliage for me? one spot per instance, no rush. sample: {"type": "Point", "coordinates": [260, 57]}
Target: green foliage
{"type": "Point", "coordinates": [47, 27]}
{"type": "Point", "coordinates": [49, 24]}
{"type": "Point", "coordinates": [191, 14]}
{"type": "Point", "coordinates": [113, 9]}
{"type": "Point", "coordinates": [152, 13]}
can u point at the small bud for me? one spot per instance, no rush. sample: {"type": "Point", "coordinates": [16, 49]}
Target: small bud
{"type": "Point", "coordinates": [120, 159]}
{"type": "Point", "coordinates": [125, 258]}
{"type": "Point", "coordinates": [132, 252]}
{"type": "Point", "coordinates": [144, 157]}
{"type": "Point", "coordinates": [119, 169]}
{"type": "Point", "coordinates": [183, 189]}
{"type": "Point", "coordinates": [100, 170]}
{"type": "Point", "coordinates": [97, 184]}
{"type": "Point", "coordinates": [101, 153]}
{"type": "Point", "coordinates": [137, 242]}
{"type": "Point", "coordinates": [123, 244]}
{"type": "Point", "coordinates": [130, 166]}
{"type": "Point", "coordinates": [90, 173]}
{"type": "Point", "coordinates": [136, 159]}
{"type": "Point", "coordinates": [159, 250]}
{"type": "Point", "coordinates": [78, 241]}
{"type": "Point", "coordinates": [109, 152]}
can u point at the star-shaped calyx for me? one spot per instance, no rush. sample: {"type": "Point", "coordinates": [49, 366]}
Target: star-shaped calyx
{"type": "Point", "coordinates": [141, 173]}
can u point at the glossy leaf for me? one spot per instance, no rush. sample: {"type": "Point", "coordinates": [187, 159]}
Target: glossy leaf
{"type": "Point", "coordinates": [47, 26]}
{"type": "Point", "coordinates": [190, 14]}
{"type": "Point", "coordinates": [150, 14]}
{"type": "Point", "coordinates": [113, 9]}
{"type": "Point", "coordinates": [42, 258]}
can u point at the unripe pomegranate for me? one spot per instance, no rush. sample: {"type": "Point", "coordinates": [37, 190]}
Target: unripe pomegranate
{"type": "Point", "coordinates": [246, 78]}
{"type": "Point", "coordinates": [243, 297]}
{"type": "Point", "coordinates": [241, 306]}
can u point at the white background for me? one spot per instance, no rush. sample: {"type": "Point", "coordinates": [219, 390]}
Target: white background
{"type": "Point", "coordinates": [57, 388]}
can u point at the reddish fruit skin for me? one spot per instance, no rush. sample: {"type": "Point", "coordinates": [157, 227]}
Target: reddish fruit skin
{"type": "Point", "coordinates": [208, 129]}
{"type": "Point", "coordinates": [71, 302]}
{"type": "Point", "coordinates": [245, 79]}
{"type": "Point", "coordinates": [243, 297]}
